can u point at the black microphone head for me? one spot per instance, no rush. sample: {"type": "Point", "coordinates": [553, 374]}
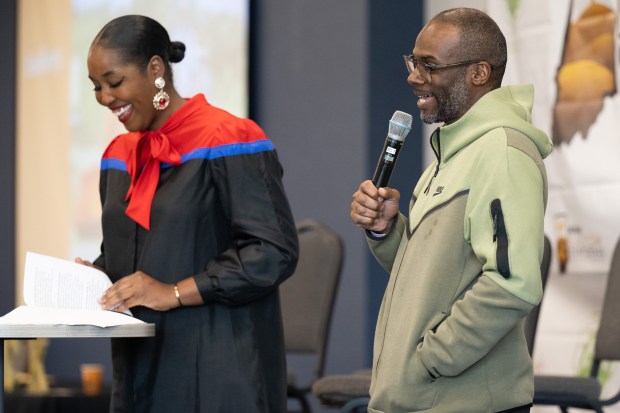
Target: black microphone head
{"type": "Point", "coordinates": [400, 125]}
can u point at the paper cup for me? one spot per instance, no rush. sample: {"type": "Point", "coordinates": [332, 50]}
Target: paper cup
{"type": "Point", "coordinates": [92, 378]}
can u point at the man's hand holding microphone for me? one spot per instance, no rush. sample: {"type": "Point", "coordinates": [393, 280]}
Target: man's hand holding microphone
{"type": "Point", "coordinates": [374, 205]}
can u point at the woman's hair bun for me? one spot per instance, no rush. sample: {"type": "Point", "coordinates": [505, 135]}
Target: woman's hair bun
{"type": "Point", "coordinates": [176, 52]}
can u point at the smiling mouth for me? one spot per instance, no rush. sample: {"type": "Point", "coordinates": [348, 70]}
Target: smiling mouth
{"type": "Point", "coordinates": [422, 95]}
{"type": "Point", "coordinates": [423, 98]}
{"type": "Point", "coordinates": [123, 112]}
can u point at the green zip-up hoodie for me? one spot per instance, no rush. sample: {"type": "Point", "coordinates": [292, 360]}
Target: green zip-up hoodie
{"type": "Point", "coordinates": [465, 267]}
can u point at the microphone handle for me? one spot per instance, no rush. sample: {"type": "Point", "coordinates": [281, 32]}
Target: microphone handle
{"type": "Point", "coordinates": [384, 168]}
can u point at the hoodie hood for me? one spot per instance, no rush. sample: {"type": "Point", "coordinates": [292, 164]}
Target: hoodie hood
{"type": "Point", "coordinates": [505, 107]}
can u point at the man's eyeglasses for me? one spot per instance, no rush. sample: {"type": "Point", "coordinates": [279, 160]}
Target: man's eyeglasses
{"type": "Point", "coordinates": [425, 70]}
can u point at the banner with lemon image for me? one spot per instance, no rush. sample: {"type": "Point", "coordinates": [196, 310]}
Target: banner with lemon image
{"type": "Point", "coordinates": [588, 55]}
{"type": "Point", "coordinates": [569, 50]}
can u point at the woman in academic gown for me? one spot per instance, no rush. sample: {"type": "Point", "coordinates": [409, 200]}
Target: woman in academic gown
{"type": "Point", "coordinates": [197, 236]}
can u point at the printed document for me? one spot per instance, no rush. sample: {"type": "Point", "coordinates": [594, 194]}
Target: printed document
{"type": "Point", "coordinates": [58, 291]}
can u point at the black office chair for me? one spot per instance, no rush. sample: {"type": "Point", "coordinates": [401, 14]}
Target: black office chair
{"type": "Point", "coordinates": [308, 300]}
{"type": "Point", "coordinates": [347, 392]}
{"type": "Point", "coordinates": [585, 392]}
{"type": "Point", "coordinates": [350, 392]}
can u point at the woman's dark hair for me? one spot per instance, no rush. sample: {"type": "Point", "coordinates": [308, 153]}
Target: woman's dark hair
{"type": "Point", "coordinates": [137, 39]}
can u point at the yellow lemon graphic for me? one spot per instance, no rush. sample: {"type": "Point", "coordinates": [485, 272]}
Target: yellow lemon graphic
{"type": "Point", "coordinates": [583, 80]}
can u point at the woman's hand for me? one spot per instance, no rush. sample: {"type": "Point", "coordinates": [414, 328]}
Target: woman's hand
{"type": "Point", "coordinates": [139, 289]}
{"type": "Point", "coordinates": [87, 263]}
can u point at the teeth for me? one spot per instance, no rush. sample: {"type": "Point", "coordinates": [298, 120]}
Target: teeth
{"type": "Point", "coordinates": [121, 111]}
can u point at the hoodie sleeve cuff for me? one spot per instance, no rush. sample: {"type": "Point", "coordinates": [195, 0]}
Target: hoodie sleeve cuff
{"type": "Point", "coordinates": [378, 236]}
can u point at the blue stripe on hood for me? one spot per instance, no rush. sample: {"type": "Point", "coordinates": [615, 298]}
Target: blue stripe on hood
{"type": "Point", "coordinates": [221, 151]}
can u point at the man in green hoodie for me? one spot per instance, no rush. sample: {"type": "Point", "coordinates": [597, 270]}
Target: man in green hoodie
{"type": "Point", "coordinates": [464, 261]}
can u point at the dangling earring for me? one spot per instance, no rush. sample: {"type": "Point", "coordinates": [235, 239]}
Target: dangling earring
{"type": "Point", "coordinates": [161, 98]}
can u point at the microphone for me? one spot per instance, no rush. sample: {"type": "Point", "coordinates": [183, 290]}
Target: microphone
{"type": "Point", "coordinates": [400, 125]}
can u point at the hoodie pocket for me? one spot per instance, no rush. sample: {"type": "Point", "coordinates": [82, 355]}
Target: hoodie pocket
{"type": "Point", "coordinates": [500, 239]}
{"type": "Point", "coordinates": [434, 325]}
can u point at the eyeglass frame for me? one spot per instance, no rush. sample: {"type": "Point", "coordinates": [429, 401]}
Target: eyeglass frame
{"type": "Point", "coordinates": [430, 68]}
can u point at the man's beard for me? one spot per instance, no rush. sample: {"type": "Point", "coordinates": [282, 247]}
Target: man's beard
{"type": "Point", "coordinates": [450, 105]}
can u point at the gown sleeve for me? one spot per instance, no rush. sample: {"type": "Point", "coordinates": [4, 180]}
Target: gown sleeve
{"type": "Point", "coordinates": [264, 247]}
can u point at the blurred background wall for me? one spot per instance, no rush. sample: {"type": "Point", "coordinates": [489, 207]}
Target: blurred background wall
{"type": "Point", "coordinates": [323, 80]}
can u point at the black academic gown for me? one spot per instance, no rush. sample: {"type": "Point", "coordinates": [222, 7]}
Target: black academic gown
{"type": "Point", "coordinates": [222, 217]}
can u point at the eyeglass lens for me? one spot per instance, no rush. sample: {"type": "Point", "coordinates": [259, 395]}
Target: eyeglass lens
{"type": "Point", "coordinates": [412, 65]}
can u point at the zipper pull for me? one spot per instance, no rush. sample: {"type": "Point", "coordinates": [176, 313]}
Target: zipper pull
{"type": "Point", "coordinates": [432, 179]}
{"type": "Point", "coordinates": [437, 155]}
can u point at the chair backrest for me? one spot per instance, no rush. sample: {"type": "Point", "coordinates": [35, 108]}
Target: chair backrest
{"type": "Point", "coordinates": [308, 296]}
{"type": "Point", "coordinates": [531, 321]}
{"type": "Point", "coordinates": [607, 345]}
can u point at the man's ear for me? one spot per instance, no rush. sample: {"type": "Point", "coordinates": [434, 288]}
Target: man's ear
{"type": "Point", "coordinates": [481, 73]}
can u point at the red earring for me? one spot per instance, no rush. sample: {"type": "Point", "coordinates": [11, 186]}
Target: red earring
{"type": "Point", "coordinates": [161, 98]}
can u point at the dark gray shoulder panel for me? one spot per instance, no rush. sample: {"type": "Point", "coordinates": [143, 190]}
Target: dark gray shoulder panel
{"type": "Point", "coordinates": [520, 141]}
